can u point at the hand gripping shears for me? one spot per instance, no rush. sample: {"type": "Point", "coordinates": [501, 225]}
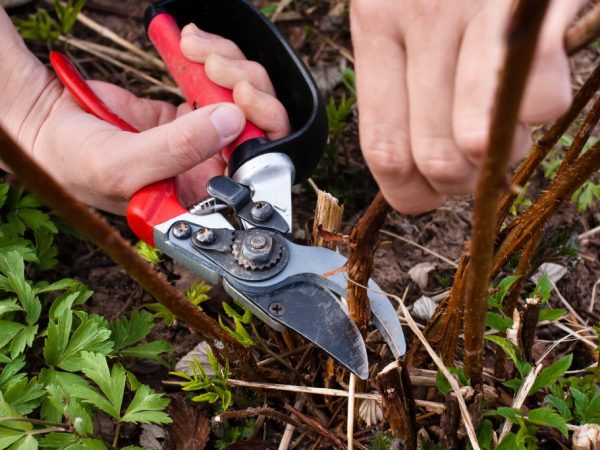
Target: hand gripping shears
{"type": "Point", "coordinates": [284, 284]}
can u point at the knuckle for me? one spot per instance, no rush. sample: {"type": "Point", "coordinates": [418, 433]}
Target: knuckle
{"type": "Point", "coordinates": [387, 155]}
{"type": "Point", "coordinates": [441, 163]}
{"type": "Point", "coordinates": [472, 143]}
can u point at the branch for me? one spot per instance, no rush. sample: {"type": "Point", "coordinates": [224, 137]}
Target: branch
{"type": "Point", "coordinates": [584, 31]}
{"type": "Point", "coordinates": [521, 41]}
{"type": "Point", "coordinates": [33, 177]}
{"type": "Point", "coordinates": [360, 262]}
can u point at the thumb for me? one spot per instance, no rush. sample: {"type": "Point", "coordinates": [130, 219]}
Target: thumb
{"type": "Point", "coordinates": [173, 148]}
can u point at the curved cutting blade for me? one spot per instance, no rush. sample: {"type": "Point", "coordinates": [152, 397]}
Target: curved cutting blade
{"type": "Point", "coordinates": [313, 311]}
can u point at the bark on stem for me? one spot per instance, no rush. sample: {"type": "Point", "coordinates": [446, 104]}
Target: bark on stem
{"type": "Point", "coordinates": [521, 41]}
{"type": "Point", "coordinates": [584, 31]}
{"type": "Point", "coordinates": [360, 262]}
{"type": "Point", "coordinates": [33, 177]}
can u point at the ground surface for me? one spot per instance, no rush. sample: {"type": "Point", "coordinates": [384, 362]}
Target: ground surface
{"type": "Point", "coordinates": [319, 31]}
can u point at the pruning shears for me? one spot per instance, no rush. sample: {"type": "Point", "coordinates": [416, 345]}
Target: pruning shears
{"type": "Point", "coordinates": [286, 285]}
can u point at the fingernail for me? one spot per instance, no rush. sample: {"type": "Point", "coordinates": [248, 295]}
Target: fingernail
{"type": "Point", "coordinates": [227, 120]}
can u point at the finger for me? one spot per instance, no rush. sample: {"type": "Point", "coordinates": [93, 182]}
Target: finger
{"type": "Point", "coordinates": [548, 91]}
{"type": "Point", "coordinates": [431, 70]}
{"type": "Point", "coordinates": [228, 72]}
{"type": "Point", "coordinates": [198, 45]}
{"type": "Point", "coordinates": [478, 66]}
{"type": "Point", "coordinates": [133, 161]}
{"type": "Point", "coordinates": [141, 113]}
{"type": "Point", "coordinates": [263, 110]}
{"type": "Point", "coordinates": [191, 185]}
{"type": "Point", "coordinates": [383, 112]}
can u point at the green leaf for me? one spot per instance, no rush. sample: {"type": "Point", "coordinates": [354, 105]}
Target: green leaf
{"type": "Point", "coordinates": [498, 321]}
{"type": "Point", "coordinates": [512, 414]}
{"type": "Point", "coordinates": [581, 402]}
{"type": "Point", "coordinates": [112, 384]}
{"type": "Point", "coordinates": [149, 253]}
{"type": "Point", "coordinates": [210, 397]}
{"type": "Point", "coordinates": [27, 442]}
{"type": "Point", "coordinates": [126, 332]}
{"type": "Point", "coordinates": [543, 289]}
{"type": "Point", "coordinates": [23, 339]}
{"type": "Point", "coordinates": [3, 193]}
{"type": "Point", "coordinates": [147, 407]}
{"type": "Point", "coordinates": [13, 267]}
{"type": "Point", "coordinates": [8, 330]}
{"type": "Point", "coordinates": [485, 434]}
{"type": "Point", "coordinates": [508, 347]}
{"type": "Point", "coordinates": [151, 350]}
{"type": "Point", "coordinates": [548, 417]}
{"type": "Point", "coordinates": [161, 312]}
{"type": "Point", "coordinates": [197, 293]}
{"type": "Point", "coordinates": [551, 373]}
{"type": "Point", "coordinates": [36, 219]}
{"type": "Point", "coordinates": [9, 305]}
{"type": "Point", "coordinates": [10, 372]}
{"type": "Point", "coordinates": [560, 405]}
{"type": "Point", "coordinates": [69, 406]}
{"type": "Point", "coordinates": [25, 395]}
{"type": "Point", "coordinates": [496, 299]}
{"type": "Point", "coordinates": [551, 314]}
{"type": "Point", "coordinates": [65, 352]}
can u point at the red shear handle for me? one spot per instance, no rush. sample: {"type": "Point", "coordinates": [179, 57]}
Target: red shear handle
{"type": "Point", "coordinates": [198, 90]}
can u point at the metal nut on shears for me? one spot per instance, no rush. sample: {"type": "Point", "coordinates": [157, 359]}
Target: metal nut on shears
{"type": "Point", "coordinates": [256, 250]}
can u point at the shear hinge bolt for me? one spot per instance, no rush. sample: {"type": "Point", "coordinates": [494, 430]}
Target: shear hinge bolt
{"type": "Point", "coordinates": [182, 230]}
{"type": "Point", "coordinates": [277, 309]}
{"type": "Point", "coordinates": [261, 211]}
{"type": "Point", "coordinates": [205, 236]}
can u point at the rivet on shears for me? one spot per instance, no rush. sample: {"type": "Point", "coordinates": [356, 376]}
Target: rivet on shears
{"type": "Point", "coordinates": [182, 230]}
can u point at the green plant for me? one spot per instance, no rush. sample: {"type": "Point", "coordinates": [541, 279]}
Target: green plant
{"type": "Point", "coordinates": [529, 424]}
{"type": "Point", "coordinates": [54, 407]}
{"type": "Point", "coordinates": [149, 253]}
{"type": "Point", "coordinates": [240, 333]}
{"type": "Point", "coordinates": [228, 434]}
{"type": "Point", "coordinates": [41, 26]}
{"type": "Point", "coordinates": [590, 190]}
{"type": "Point", "coordinates": [214, 387]}
{"type": "Point", "coordinates": [197, 293]}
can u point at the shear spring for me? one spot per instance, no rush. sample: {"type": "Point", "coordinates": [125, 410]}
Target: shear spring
{"type": "Point", "coordinates": [206, 207]}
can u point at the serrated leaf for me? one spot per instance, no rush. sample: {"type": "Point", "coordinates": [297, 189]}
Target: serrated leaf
{"type": "Point", "coordinates": [551, 373]}
{"type": "Point", "coordinates": [560, 405]}
{"type": "Point", "coordinates": [61, 285]}
{"type": "Point", "coordinates": [151, 350]}
{"type": "Point", "coordinates": [147, 407]}
{"type": "Point", "coordinates": [58, 440]}
{"type": "Point", "coordinates": [149, 253]}
{"type": "Point", "coordinates": [126, 332]}
{"type": "Point", "coordinates": [45, 249]}
{"type": "Point", "coordinates": [37, 219]}
{"type": "Point", "coordinates": [69, 407]}
{"type": "Point", "coordinates": [10, 372]}
{"type": "Point", "coordinates": [551, 314]}
{"type": "Point", "coordinates": [13, 267]}
{"type": "Point", "coordinates": [8, 330]}
{"type": "Point", "coordinates": [111, 383]}
{"type": "Point", "coordinates": [9, 305]}
{"type": "Point", "coordinates": [581, 402]}
{"type": "Point", "coordinates": [23, 339]}
{"type": "Point", "coordinates": [25, 395]}
{"type": "Point", "coordinates": [512, 414]}
{"type": "Point", "coordinates": [161, 312]}
{"type": "Point", "coordinates": [514, 384]}
{"type": "Point", "coordinates": [548, 417]}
